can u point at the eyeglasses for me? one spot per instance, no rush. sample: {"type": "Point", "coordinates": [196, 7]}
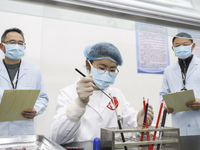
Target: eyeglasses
{"type": "Point", "coordinates": [15, 42]}
{"type": "Point", "coordinates": [101, 69]}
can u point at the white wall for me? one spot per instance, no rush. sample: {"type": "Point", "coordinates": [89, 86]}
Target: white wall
{"type": "Point", "coordinates": [56, 46]}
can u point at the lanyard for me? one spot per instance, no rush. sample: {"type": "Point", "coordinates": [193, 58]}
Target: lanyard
{"type": "Point", "coordinates": [13, 86]}
{"type": "Point", "coordinates": [183, 77]}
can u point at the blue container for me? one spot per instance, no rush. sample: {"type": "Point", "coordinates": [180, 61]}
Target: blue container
{"type": "Point", "coordinates": [96, 144]}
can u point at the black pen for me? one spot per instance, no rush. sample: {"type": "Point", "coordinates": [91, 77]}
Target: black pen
{"type": "Point", "coordinates": [80, 72]}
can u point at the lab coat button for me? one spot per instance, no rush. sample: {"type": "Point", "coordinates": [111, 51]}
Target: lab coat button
{"type": "Point", "coordinates": [189, 125]}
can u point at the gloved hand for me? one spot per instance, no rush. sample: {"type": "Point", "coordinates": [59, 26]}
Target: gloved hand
{"type": "Point", "coordinates": [84, 88]}
{"type": "Point", "coordinates": [150, 116]}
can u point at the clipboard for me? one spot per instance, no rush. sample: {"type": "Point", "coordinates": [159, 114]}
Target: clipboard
{"type": "Point", "coordinates": [177, 100]}
{"type": "Point", "coordinates": [15, 101]}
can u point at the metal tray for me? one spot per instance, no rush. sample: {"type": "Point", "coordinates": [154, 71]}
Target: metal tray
{"type": "Point", "coordinates": [30, 142]}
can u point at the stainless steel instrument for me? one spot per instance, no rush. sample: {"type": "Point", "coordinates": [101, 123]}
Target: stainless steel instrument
{"type": "Point", "coordinates": [110, 139]}
{"type": "Point", "coordinates": [30, 142]}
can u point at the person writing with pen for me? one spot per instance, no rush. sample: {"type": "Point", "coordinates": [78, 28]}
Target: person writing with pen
{"type": "Point", "coordinates": [83, 109]}
{"type": "Point", "coordinates": [184, 75]}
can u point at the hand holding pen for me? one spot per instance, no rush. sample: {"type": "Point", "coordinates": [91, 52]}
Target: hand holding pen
{"type": "Point", "coordinates": [85, 88]}
{"type": "Point", "coordinates": [150, 116]}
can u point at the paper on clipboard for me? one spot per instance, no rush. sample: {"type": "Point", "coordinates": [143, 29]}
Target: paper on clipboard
{"type": "Point", "coordinates": [177, 100]}
{"type": "Point", "coordinates": [13, 102]}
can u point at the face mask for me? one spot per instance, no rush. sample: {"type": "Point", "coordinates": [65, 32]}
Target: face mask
{"type": "Point", "coordinates": [14, 51]}
{"type": "Point", "coordinates": [102, 80]}
{"type": "Point", "coordinates": [183, 52]}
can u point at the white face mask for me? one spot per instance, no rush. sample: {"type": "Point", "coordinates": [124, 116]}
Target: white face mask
{"type": "Point", "coordinates": [102, 80]}
{"type": "Point", "coordinates": [14, 51]}
{"type": "Point", "coordinates": [183, 52]}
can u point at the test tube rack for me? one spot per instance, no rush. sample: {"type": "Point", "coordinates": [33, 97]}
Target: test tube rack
{"type": "Point", "coordinates": [111, 139]}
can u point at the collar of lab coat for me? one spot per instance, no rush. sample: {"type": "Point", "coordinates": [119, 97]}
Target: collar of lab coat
{"type": "Point", "coordinates": [4, 74]}
{"type": "Point", "coordinates": [192, 67]}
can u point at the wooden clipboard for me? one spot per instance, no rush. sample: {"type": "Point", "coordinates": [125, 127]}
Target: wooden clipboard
{"type": "Point", "coordinates": [177, 100]}
{"type": "Point", "coordinates": [13, 102]}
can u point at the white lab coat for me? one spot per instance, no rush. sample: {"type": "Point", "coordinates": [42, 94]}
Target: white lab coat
{"type": "Point", "coordinates": [29, 78]}
{"type": "Point", "coordinates": [96, 116]}
{"type": "Point", "coordinates": [188, 121]}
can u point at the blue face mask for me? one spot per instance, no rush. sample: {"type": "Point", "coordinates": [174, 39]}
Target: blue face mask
{"type": "Point", "coordinates": [102, 80]}
{"type": "Point", "coordinates": [14, 51]}
{"type": "Point", "coordinates": [183, 52]}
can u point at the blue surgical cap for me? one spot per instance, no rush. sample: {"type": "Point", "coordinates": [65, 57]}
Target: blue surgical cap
{"type": "Point", "coordinates": [103, 50]}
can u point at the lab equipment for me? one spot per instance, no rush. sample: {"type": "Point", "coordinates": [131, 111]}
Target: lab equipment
{"type": "Point", "coordinates": [28, 142]}
{"type": "Point", "coordinates": [111, 141]}
{"type": "Point", "coordinates": [16, 148]}
{"type": "Point", "coordinates": [96, 144]}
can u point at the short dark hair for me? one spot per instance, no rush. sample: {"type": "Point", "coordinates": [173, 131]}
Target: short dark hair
{"type": "Point", "coordinates": [184, 35]}
{"type": "Point", "coordinates": [3, 37]}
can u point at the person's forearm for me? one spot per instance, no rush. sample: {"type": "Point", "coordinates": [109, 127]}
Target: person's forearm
{"type": "Point", "coordinates": [63, 130]}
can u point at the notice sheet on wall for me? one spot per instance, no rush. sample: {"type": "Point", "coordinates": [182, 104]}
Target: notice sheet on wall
{"type": "Point", "coordinates": [152, 48]}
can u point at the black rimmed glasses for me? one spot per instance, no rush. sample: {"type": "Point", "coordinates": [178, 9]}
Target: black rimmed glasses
{"type": "Point", "coordinates": [21, 43]}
